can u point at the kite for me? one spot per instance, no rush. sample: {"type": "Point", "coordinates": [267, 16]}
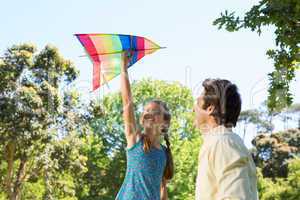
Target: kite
{"type": "Point", "coordinates": [105, 52]}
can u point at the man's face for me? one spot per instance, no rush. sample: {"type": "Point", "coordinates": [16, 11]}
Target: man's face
{"type": "Point", "coordinates": [202, 116]}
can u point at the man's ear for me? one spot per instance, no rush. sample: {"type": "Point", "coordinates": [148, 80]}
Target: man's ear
{"type": "Point", "coordinates": [210, 109]}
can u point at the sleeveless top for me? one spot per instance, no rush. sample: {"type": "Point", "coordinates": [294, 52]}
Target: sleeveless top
{"type": "Point", "coordinates": [144, 173]}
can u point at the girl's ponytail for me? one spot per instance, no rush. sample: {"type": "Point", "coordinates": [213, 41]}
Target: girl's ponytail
{"type": "Point", "coordinates": [169, 169]}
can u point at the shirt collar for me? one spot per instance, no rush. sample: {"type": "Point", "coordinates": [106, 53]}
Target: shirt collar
{"type": "Point", "coordinates": [219, 130]}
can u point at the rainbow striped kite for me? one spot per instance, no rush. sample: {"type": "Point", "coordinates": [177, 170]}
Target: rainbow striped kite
{"type": "Point", "coordinates": [105, 52]}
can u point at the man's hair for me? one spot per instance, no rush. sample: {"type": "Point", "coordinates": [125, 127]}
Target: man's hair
{"type": "Point", "coordinates": [224, 96]}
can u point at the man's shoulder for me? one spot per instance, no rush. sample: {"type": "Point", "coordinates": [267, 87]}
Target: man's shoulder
{"type": "Point", "coordinates": [226, 137]}
{"type": "Point", "coordinates": [229, 142]}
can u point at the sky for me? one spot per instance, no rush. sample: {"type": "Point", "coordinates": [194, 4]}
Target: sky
{"type": "Point", "coordinates": [196, 49]}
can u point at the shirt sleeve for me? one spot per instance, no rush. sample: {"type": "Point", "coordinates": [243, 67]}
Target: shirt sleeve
{"type": "Point", "coordinates": [230, 164]}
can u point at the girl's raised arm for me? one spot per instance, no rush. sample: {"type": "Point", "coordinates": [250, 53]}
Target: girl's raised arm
{"type": "Point", "coordinates": [128, 107]}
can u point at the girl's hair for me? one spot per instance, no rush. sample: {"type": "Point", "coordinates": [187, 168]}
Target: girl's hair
{"type": "Point", "coordinates": [169, 169]}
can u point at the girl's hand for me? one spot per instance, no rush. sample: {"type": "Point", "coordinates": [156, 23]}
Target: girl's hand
{"type": "Point", "coordinates": [163, 190]}
{"type": "Point", "coordinates": [127, 56]}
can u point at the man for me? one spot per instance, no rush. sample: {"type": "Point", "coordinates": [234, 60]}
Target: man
{"type": "Point", "coordinates": [226, 169]}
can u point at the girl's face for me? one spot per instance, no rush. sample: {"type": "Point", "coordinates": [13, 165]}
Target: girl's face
{"type": "Point", "coordinates": [153, 117]}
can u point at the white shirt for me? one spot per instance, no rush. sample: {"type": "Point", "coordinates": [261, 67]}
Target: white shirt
{"type": "Point", "coordinates": [226, 170]}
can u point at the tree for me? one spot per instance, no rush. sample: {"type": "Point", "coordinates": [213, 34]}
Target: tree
{"type": "Point", "coordinates": [106, 148]}
{"type": "Point", "coordinates": [272, 152]}
{"type": "Point", "coordinates": [258, 118]}
{"type": "Point", "coordinates": [295, 109]}
{"type": "Point", "coordinates": [284, 16]}
{"type": "Point", "coordinates": [292, 138]}
{"type": "Point", "coordinates": [283, 188]}
{"type": "Point", "coordinates": [36, 138]}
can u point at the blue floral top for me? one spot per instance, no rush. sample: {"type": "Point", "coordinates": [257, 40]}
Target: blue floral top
{"type": "Point", "coordinates": [144, 173]}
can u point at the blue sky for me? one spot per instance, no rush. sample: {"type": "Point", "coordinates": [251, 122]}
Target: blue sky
{"type": "Point", "coordinates": [195, 48]}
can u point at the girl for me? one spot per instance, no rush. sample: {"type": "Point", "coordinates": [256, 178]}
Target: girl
{"type": "Point", "coordinates": [149, 164]}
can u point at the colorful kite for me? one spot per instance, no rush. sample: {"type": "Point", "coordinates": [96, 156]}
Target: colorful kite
{"type": "Point", "coordinates": [105, 51]}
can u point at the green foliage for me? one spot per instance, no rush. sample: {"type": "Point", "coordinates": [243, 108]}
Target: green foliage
{"type": "Point", "coordinates": [283, 188]}
{"type": "Point", "coordinates": [272, 152]}
{"type": "Point", "coordinates": [284, 16]}
{"type": "Point", "coordinates": [33, 190]}
{"type": "Point", "coordinates": [107, 162]}
{"type": "Point", "coordinates": [186, 154]}
{"type": "Point", "coordinates": [38, 150]}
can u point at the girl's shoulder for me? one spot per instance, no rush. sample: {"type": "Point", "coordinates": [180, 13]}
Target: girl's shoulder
{"type": "Point", "coordinates": [138, 142]}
